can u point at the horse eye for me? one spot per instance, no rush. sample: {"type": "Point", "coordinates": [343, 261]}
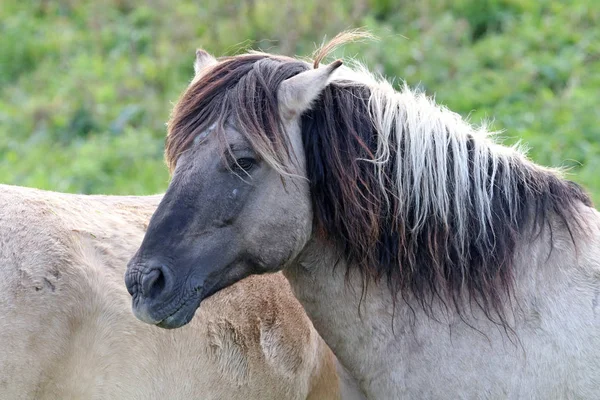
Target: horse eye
{"type": "Point", "coordinates": [245, 163]}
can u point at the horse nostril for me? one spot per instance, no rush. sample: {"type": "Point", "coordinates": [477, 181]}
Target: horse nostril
{"type": "Point", "coordinates": [153, 283]}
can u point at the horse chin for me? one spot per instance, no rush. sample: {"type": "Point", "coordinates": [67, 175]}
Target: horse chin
{"type": "Point", "coordinates": [182, 316]}
{"type": "Point", "coordinates": [205, 289]}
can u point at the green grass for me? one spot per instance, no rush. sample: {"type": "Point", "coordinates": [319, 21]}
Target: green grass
{"type": "Point", "coordinates": [86, 87]}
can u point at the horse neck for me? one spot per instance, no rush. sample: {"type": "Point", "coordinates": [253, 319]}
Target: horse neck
{"type": "Point", "coordinates": [331, 300]}
{"type": "Point", "coordinates": [357, 324]}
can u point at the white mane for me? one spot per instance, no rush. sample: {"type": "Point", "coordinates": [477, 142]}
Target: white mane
{"type": "Point", "coordinates": [426, 134]}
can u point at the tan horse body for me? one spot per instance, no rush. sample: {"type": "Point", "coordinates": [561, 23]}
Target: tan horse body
{"type": "Point", "coordinates": [67, 331]}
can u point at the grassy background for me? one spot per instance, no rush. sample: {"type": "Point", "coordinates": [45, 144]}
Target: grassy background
{"type": "Point", "coordinates": [87, 86]}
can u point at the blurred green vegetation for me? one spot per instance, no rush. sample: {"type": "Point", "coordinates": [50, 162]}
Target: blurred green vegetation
{"type": "Point", "coordinates": [87, 86]}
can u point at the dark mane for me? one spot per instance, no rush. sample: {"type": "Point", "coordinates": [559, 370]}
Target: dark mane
{"type": "Point", "coordinates": [462, 253]}
{"type": "Point", "coordinates": [374, 234]}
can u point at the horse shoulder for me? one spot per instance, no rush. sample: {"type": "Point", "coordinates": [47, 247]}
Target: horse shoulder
{"type": "Point", "coordinates": [257, 328]}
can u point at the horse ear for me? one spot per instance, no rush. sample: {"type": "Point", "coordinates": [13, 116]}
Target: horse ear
{"type": "Point", "coordinates": [203, 60]}
{"type": "Point", "coordinates": [296, 94]}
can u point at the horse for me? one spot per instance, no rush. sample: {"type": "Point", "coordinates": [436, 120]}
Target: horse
{"type": "Point", "coordinates": [67, 330]}
{"type": "Point", "coordinates": [434, 261]}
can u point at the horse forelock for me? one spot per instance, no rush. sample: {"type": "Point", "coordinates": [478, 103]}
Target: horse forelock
{"type": "Point", "coordinates": [407, 190]}
{"type": "Point", "coordinates": [241, 91]}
